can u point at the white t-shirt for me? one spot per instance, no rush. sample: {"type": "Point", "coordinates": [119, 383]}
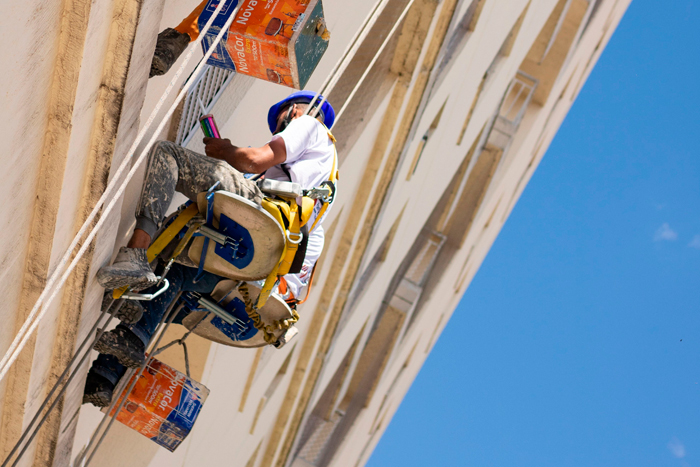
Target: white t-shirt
{"type": "Point", "coordinates": [310, 155]}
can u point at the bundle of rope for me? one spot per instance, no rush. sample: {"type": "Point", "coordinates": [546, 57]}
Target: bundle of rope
{"type": "Point", "coordinates": [267, 330]}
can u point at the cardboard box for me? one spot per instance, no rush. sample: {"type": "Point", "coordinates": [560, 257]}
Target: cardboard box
{"type": "Point", "coordinates": [280, 41]}
{"type": "Point", "coordinates": [163, 405]}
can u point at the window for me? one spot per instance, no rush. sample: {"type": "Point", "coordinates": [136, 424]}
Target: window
{"type": "Point", "coordinates": [324, 417]}
{"type": "Point", "coordinates": [200, 100]}
{"type": "Point", "coordinates": [594, 7]}
{"type": "Point", "coordinates": [369, 273]}
{"type": "Point", "coordinates": [553, 45]}
{"type": "Point", "coordinates": [274, 384]}
{"type": "Point", "coordinates": [495, 65]}
{"type": "Point", "coordinates": [564, 10]}
{"type": "Point", "coordinates": [410, 287]}
{"type": "Point", "coordinates": [512, 110]}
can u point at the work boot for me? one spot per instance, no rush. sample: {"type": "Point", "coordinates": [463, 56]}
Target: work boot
{"type": "Point", "coordinates": [123, 344]}
{"type": "Point", "coordinates": [130, 268]}
{"type": "Point", "coordinates": [126, 311]}
{"type": "Point", "coordinates": [169, 47]}
{"type": "Point", "coordinates": [98, 390]}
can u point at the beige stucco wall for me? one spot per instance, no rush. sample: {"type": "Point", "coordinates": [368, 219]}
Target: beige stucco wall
{"type": "Point", "coordinates": [253, 414]}
{"type": "Point", "coordinates": [26, 87]}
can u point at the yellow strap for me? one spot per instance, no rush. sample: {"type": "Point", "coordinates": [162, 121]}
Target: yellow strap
{"type": "Point", "coordinates": [274, 207]}
{"type": "Point", "coordinates": [185, 239]}
{"type": "Point", "coordinates": [333, 178]}
{"type": "Point", "coordinates": [267, 287]}
{"type": "Point", "coordinates": [334, 170]}
{"type": "Point", "coordinates": [171, 232]}
{"type": "Point", "coordinates": [307, 208]}
{"type": "Point", "coordinates": [320, 215]}
{"type": "Point", "coordinates": [290, 210]}
{"type": "Point", "coordinates": [293, 239]}
{"type": "Point", "coordinates": [164, 239]}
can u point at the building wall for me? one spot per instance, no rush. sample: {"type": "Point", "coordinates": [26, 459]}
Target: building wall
{"type": "Point", "coordinates": [436, 147]}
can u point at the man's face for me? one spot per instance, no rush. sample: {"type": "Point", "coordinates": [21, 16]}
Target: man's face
{"type": "Point", "coordinates": [282, 116]}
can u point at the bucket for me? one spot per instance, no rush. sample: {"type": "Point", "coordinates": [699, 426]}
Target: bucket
{"type": "Point", "coordinates": [163, 405]}
{"type": "Point", "coordinates": [280, 41]}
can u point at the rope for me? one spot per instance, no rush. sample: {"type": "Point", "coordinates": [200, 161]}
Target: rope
{"type": "Point", "coordinates": [268, 331]}
{"type": "Point", "coordinates": [169, 315]}
{"type": "Point", "coordinates": [35, 316]}
{"type": "Point", "coordinates": [349, 52]}
{"type": "Point", "coordinates": [181, 341]}
{"type": "Point", "coordinates": [374, 60]}
{"type": "Point", "coordinates": [87, 339]}
{"type": "Point", "coordinates": [32, 321]}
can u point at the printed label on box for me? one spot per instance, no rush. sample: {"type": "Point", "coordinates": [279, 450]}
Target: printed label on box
{"type": "Point", "coordinates": [260, 37]}
{"type": "Point", "coordinates": [163, 405]}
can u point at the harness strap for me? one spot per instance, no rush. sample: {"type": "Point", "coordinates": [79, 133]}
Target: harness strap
{"type": "Point", "coordinates": [332, 179]}
{"type": "Point", "coordinates": [288, 215]}
{"type": "Point", "coordinates": [164, 239]}
{"type": "Point", "coordinates": [293, 239]}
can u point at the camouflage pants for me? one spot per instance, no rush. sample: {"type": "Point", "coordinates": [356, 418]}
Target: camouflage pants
{"type": "Point", "coordinates": [173, 168]}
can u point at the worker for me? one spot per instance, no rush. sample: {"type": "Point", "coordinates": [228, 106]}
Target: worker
{"type": "Point", "coordinates": [301, 150]}
{"type": "Point", "coordinates": [173, 41]}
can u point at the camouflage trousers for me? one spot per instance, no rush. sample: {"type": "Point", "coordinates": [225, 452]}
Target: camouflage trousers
{"type": "Point", "coordinates": [173, 168]}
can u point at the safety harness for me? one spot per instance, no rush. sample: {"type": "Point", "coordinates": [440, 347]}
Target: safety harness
{"type": "Point", "coordinates": [292, 217]}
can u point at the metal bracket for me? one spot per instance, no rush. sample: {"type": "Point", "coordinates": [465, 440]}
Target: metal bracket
{"type": "Point", "coordinates": [299, 237]}
{"type": "Point", "coordinates": [213, 234]}
{"type": "Point", "coordinates": [322, 192]}
{"type": "Point", "coordinates": [150, 296]}
{"type": "Point", "coordinates": [220, 312]}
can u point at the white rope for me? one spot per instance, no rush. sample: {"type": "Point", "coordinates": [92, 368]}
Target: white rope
{"type": "Point", "coordinates": [35, 316]}
{"type": "Point", "coordinates": [350, 50]}
{"type": "Point", "coordinates": [374, 60]}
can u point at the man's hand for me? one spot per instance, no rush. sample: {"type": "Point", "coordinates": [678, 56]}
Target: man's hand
{"type": "Point", "coordinates": [219, 148]}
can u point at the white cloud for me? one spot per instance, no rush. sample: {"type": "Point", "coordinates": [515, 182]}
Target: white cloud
{"type": "Point", "coordinates": [695, 242]}
{"type": "Point", "coordinates": [676, 447]}
{"type": "Point", "coordinates": [665, 232]}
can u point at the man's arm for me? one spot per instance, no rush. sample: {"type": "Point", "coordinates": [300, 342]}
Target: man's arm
{"type": "Point", "coordinates": [247, 160]}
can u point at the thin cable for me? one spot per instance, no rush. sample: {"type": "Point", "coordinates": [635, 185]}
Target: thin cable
{"type": "Point", "coordinates": [169, 315]}
{"type": "Point", "coordinates": [351, 47]}
{"type": "Point", "coordinates": [23, 336]}
{"type": "Point", "coordinates": [63, 389]}
{"type": "Point", "coordinates": [374, 60]}
{"type": "Point", "coordinates": [337, 77]}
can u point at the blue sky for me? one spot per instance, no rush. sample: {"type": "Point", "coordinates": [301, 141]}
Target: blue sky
{"type": "Point", "coordinates": [578, 342]}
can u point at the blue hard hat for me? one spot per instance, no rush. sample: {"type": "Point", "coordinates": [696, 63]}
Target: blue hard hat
{"type": "Point", "coordinates": [302, 97]}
